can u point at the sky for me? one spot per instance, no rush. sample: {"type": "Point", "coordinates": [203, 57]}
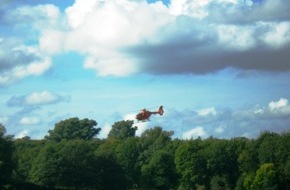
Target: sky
{"type": "Point", "coordinates": [220, 68]}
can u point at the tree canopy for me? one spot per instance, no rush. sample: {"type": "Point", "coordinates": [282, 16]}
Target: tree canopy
{"type": "Point", "coordinates": [73, 128]}
{"type": "Point", "coordinates": [122, 130]}
{"type": "Point", "coordinates": [72, 157]}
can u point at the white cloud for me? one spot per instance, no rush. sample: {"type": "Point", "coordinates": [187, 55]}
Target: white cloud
{"type": "Point", "coordinates": [194, 133]}
{"type": "Point", "coordinates": [129, 116]}
{"type": "Point", "coordinates": [21, 62]}
{"type": "Point", "coordinates": [18, 61]}
{"type": "Point", "coordinates": [207, 112]}
{"type": "Point", "coordinates": [142, 126]}
{"type": "Point", "coordinates": [196, 9]}
{"type": "Point", "coordinates": [111, 34]}
{"type": "Point", "coordinates": [38, 17]}
{"type": "Point", "coordinates": [235, 37]}
{"type": "Point", "coordinates": [280, 107]}
{"type": "Point", "coordinates": [37, 98]}
{"type": "Point", "coordinates": [50, 41]}
{"type": "Point", "coordinates": [29, 121]}
{"type": "Point", "coordinates": [274, 109]}
{"type": "Point", "coordinates": [278, 34]}
{"type": "Point", "coordinates": [116, 65]}
{"type": "Point", "coordinates": [101, 29]}
{"type": "Point", "coordinates": [22, 134]}
{"type": "Point", "coordinates": [105, 131]}
{"type": "Point", "coordinates": [22, 71]}
{"type": "Point", "coordinates": [220, 129]}
{"type": "Point", "coordinates": [3, 120]}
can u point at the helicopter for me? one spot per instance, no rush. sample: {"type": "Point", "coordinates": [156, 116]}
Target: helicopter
{"type": "Point", "coordinates": [144, 115]}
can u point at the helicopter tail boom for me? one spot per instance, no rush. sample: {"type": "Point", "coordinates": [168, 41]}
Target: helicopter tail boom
{"type": "Point", "coordinates": [160, 111]}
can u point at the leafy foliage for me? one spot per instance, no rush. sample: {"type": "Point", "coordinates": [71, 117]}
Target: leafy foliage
{"type": "Point", "coordinates": [122, 130]}
{"type": "Point", "coordinates": [6, 163]}
{"type": "Point", "coordinates": [159, 173]}
{"type": "Point", "coordinates": [73, 128]}
{"type": "Point", "coordinates": [70, 157]}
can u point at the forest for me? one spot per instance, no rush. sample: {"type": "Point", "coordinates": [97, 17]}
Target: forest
{"type": "Point", "coordinates": [71, 156]}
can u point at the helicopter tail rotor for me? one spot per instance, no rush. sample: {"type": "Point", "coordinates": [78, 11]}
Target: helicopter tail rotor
{"type": "Point", "coordinates": [160, 110]}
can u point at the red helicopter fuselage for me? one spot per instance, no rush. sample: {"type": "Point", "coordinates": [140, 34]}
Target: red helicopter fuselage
{"type": "Point", "coordinates": [144, 115]}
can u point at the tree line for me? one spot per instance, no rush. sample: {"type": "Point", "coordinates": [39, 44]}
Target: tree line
{"type": "Point", "coordinates": [72, 157]}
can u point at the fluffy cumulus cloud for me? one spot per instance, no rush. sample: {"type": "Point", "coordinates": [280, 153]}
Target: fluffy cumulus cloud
{"type": "Point", "coordinates": [105, 131]}
{"type": "Point", "coordinates": [22, 134]}
{"type": "Point", "coordinates": [228, 123]}
{"type": "Point", "coordinates": [125, 37]}
{"type": "Point", "coordinates": [37, 99]}
{"type": "Point", "coordinates": [207, 111]}
{"type": "Point", "coordinates": [108, 27]}
{"type": "Point", "coordinates": [19, 56]}
{"type": "Point", "coordinates": [280, 108]}
{"type": "Point", "coordinates": [203, 38]}
{"type": "Point", "coordinates": [29, 121]}
{"type": "Point", "coordinates": [20, 61]}
{"type": "Point", "coordinates": [194, 133]}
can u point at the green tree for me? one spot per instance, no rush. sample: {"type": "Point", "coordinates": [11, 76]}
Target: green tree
{"type": "Point", "coordinates": [267, 144]}
{"type": "Point", "coordinates": [191, 165]}
{"type": "Point", "coordinates": [127, 153]}
{"type": "Point", "coordinates": [66, 164]}
{"type": "Point", "coordinates": [153, 140]}
{"type": "Point", "coordinates": [77, 161]}
{"type": "Point", "coordinates": [110, 168]}
{"type": "Point", "coordinates": [265, 178]}
{"type": "Point", "coordinates": [2, 130]}
{"type": "Point", "coordinates": [159, 173]}
{"type": "Point", "coordinates": [222, 160]}
{"type": "Point", "coordinates": [73, 128]}
{"type": "Point", "coordinates": [286, 175]}
{"type": "Point", "coordinates": [122, 130]}
{"type": "Point", "coordinates": [109, 174]}
{"type": "Point", "coordinates": [25, 153]}
{"type": "Point", "coordinates": [107, 148]}
{"type": "Point", "coordinates": [248, 158]}
{"type": "Point", "coordinates": [6, 163]}
{"type": "Point", "coordinates": [248, 181]}
{"type": "Point", "coordinates": [282, 160]}
{"type": "Point", "coordinates": [46, 168]}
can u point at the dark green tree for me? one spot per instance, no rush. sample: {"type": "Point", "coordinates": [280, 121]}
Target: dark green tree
{"type": "Point", "coordinates": [153, 140]}
{"type": "Point", "coordinates": [248, 161]}
{"type": "Point", "coordinates": [109, 174]}
{"type": "Point", "coordinates": [46, 168]}
{"type": "Point", "coordinates": [6, 163]}
{"type": "Point", "coordinates": [122, 130]}
{"type": "Point", "coordinates": [110, 171]}
{"type": "Point", "coordinates": [25, 153]}
{"type": "Point", "coordinates": [267, 144]}
{"type": "Point", "coordinates": [127, 153]}
{"type": "Point", "coordinates": [191, 165]}
{"type": "Point", "coordinates": [222, 160]}
{"type": "Point", "coordinates": [159, 173]}
{"type": "Point", "coordinates": [66, 164]}
{"type": "Point", "coordinates": [2, 130]}
{"type": "Point", "coordinates": [107, 148]}
{"type": "Point", "coordinates": [286, 175]}
{"type": "Point", "coordinates": [73, 128]}
{"type": "Point", "coordinates": [282, 160]}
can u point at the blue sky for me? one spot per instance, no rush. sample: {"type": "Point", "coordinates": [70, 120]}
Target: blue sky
{"type": "Point", "coordinates": [219, 67]}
